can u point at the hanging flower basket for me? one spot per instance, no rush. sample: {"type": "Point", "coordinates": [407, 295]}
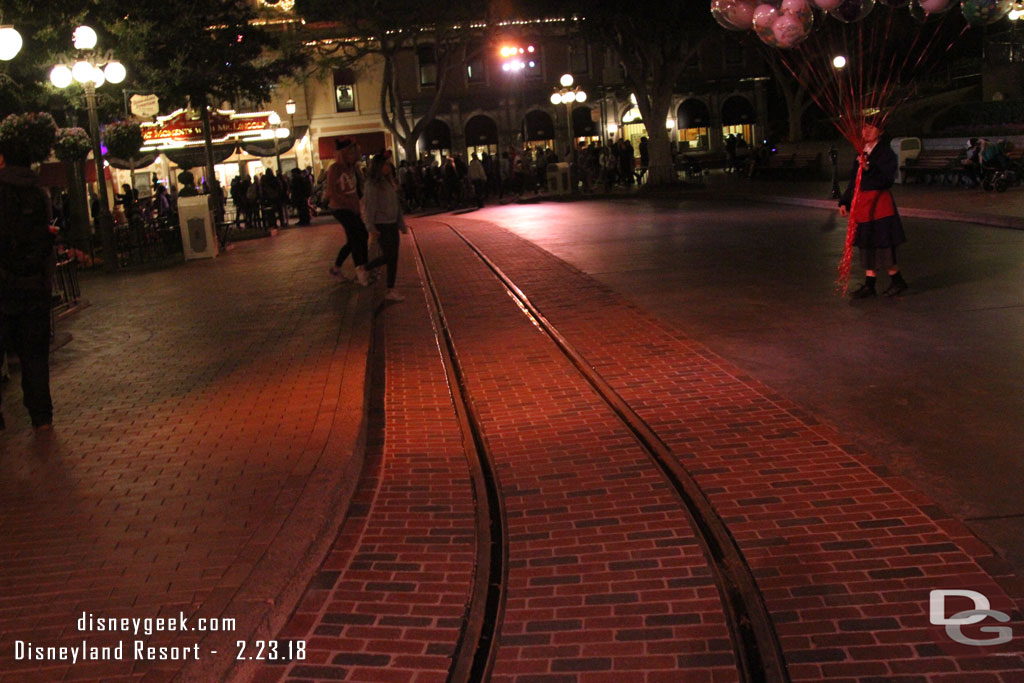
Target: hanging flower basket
{"type": "Point", "coordinates": [27, 138]}
{"type": "Point", "coordinates": [123, 139]}
{"type": "Point", "coordinates": [73, 144]}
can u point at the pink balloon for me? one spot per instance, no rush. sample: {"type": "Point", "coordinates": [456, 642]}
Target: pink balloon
{"type": "Point", "coordinates": [795, 6]}
{"type": "Point", "coordinates": [827, 4]}
{"type": "Point", "coordinates": [764, 15]}
{"type": "Point", "coordinates": [735, 15]}
{"type": "Point", "coordinates": [935, 6]}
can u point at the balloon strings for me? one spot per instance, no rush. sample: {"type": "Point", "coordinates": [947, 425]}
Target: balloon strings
{"type": "Point", "coordinates": [846, 262]}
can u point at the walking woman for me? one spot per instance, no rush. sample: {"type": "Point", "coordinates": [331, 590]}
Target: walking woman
{"type": "Point", "coordinates": [383, 213]}
{"type": "Point", "coordinates": [344, 188]}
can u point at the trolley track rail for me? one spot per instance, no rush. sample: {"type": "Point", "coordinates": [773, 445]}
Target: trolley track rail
{"type": "Point", "coordinates": [756, 646]}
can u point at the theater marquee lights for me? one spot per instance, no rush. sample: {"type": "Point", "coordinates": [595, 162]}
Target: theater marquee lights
{"type": "Point", "coordinates": [182, 129]}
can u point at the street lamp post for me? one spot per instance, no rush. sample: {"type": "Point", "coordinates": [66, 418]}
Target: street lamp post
{"type": "Point", "coordinates": [275, 123]}
{"type": "Point", "coordinates": [567, 95]}
{"type": "Point", "coordinates": [91, 75]}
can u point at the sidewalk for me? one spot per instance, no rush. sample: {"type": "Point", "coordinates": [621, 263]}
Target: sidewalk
{"type": "Point", "coordinates": [939, 202]}
{"type": "Point", "coordinates": [208, 435]}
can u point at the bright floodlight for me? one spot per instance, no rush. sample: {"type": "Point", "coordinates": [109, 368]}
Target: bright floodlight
{"type": "Point", "coordinates": [612, 128]}
{"type": "Point", "coordinates": [581, 96]}
{"type": "Point", "coordinates": [60, 76]}
{"type": "Point", "coordinates": [566, 80]}
{"type": "Point", "coordinates": [83, 71]}
{"type": "Point", "coordinates": [10, 43]}
{"type": "Point", "coordinates": [556, 98]}
{"type": "Point", "coordinates": [289, 106]}
{"type": "Point", "coordinates": [1015, 14]}
{"type": "Point", "coordinates": [670, 123]}
{"type": "Point", "coordinates": [506, 67]}
{"type": "Point", "coordinates": [839, 62]}
{"type": "Point", "coordinates": [274, 119]}
{"type": "Point", "coordinates": [114, 72]}
{"type": "Point", "coordinates": [84, 38]}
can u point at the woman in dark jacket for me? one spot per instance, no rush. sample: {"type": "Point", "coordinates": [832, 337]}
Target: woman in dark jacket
{"type": "Point", "coordinates": [879, 229]}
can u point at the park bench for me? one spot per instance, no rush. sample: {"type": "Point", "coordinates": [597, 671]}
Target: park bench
{"type": "Point", "coordinates": [790, 166]}
{"type": "Point", "coordinates": [934, 165]}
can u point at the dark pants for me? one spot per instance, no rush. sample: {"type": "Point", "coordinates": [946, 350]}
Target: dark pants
{"type": "Point", "coordinates": [355, 236]}
{"type": "Point", "coordinates": [389, 239]}
{"type": "Point", "coordinates": [302, 208]}
{"type": "Point", "coordinates": [27, 334]}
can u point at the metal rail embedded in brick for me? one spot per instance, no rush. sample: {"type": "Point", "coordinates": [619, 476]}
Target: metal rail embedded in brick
{"type": "Point", "coordinates": [758, 651]}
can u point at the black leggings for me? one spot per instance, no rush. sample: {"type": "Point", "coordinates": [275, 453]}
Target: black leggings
{"type": "Point", "coordinates": [28, 335]}
{"type": "Point", "coordinates": [389, 238]}
{"type": "Point", "coordinates": [355, 237]}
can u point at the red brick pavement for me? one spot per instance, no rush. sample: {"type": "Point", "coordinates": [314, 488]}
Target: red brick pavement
{"type": "Point", "coordinates": [388, 602]}
{"type": "Point", "coordinates": [845, 552]}
{"type": "Point", "coordinates": [204, 438]}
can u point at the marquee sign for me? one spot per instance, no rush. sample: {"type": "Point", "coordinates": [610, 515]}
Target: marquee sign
{"type": "Point", "coordinates": [183, 128]}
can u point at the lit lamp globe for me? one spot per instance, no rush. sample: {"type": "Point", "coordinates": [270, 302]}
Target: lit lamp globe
{"type": "Point", "coordinates": [10, 43]}
{"type": "Point", "coordinates": [83, 72]}
{"type": "Point", "coordinates": [556, 98]}
{"type": "Point", "coordinates": [581, 96]}
{"type": "Point", "coordinates": [283, 132]}
{"type": "Point", "coordinates": [670, 124]}
{"type": "Point", "coordinates": [60, 76]}
{"type": "Point", "coordinates": [568, 98]}
{"type": "Point", "coordinates": [274, 119]}
{"type": "Point", "coordinates": [98, 78]}
{"type": "Point", "coordinates": [114, 72]}
{"type": "Point", "coordinates": [839, 62]}
{"type": "Point", "coordinates": [289, 106]}
{"type": "Point", "coordinates": [566, 80]}
{"type": "Point", "coordinates": [84, 38]}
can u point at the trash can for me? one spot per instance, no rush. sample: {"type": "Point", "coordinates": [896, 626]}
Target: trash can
{"type": "Point", "coordinates": [905, 148]}
{"type": "Point", "coordinates": [558, 178]}
{"type": "Point", "coordinates": [198, 236]}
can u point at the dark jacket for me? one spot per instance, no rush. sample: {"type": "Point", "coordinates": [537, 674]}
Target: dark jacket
{"type": "Point", "coordinates": [879, 174]}
{"type": "Point", "coordinates": [26, 243]}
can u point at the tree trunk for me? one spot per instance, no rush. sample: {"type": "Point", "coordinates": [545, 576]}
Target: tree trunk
{"type": "Point", "coordinates": [211, 179]}
{"type": "Point", "coordinates": [661, 171]}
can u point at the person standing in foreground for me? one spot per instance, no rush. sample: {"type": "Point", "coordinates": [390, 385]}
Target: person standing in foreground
{"type": "Point", "coordinates": [344, 189]}
{"type": "Point", "coordinates": [383, 211]}
{"type": "Point", "coordinates": [26, 275]}
{"type": "Point", "coordinates": [879, 228]}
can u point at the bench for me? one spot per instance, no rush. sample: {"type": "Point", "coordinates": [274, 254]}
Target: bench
{"type": "Point", "coordinates": [790, 166]}
{"type": "Point", "coordinates": [934, 165]}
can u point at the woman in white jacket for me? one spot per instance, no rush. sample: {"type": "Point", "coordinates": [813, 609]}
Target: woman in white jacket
{"type": "Point", "coordinates": [382, 210]}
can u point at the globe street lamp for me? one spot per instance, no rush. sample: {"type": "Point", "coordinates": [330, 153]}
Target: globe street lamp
{"type": "Point", "coordinates": [567, 95]}
{"type": "Point", "coordinates": [10, 43]}
{"type": "Point", "coordinates": [93, 70]}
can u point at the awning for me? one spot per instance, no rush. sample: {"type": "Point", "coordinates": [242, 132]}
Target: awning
{"type": "Point", "coordinates": [55, 173]}
{"type": "Point", "coordinates": [266, 148]}
{"type": "Point", "coordinates": [537, 125]}
{"type": "Point", "coordinates": [369, 143]}
{"type": "Point", "coordinates": [437, 135]}
{"type": "Point", "coordinates": [481, 130]}
{"type": "Point", "coordinates": [692, 114]}
{"type": "Point", "coordinates": [141, 161]}
{"type": "Point", "coordinates": [737, 111]}
{"type": "Point", "coordinates": [583, 124]}
{"type": "Point", "coordinates": [195, 156]}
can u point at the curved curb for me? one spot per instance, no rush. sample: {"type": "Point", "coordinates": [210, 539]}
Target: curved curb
{"type": "Point", "coordinates": [266, 598]}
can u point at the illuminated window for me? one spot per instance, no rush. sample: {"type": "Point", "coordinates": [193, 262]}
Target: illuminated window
{"type": "Point", "coordinates": [344, 90]}
{"type": "Point", "coordinates": [428, 65]}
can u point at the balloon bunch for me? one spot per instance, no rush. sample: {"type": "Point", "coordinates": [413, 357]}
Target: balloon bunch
{"type": "Point", "coordinates": [787, 23]}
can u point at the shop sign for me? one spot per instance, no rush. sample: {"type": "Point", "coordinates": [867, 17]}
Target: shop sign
{"type": "Point", "coordinates": [145, 106]}
{"type": "Point", "coordinates": [180, 127]}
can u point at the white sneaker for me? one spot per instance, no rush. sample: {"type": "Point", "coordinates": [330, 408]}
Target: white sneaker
{"type": "Point", "coordinates": [393, 295]}
{"type": "Point", "coordinates": [362, 277]}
